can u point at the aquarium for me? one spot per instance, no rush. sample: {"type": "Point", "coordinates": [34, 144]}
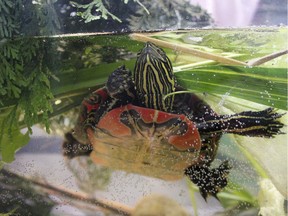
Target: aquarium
{"type": "Point", "coordinates": [143, 108]}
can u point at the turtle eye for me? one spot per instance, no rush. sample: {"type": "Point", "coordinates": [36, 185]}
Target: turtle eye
{"type": "Point", "coordinates": [159, 50]}
{"type": "Point", "coordinates": [94, 99]}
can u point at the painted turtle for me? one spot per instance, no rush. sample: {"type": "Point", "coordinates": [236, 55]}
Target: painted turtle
{"type": "Point", "coordinates": [132, 126]}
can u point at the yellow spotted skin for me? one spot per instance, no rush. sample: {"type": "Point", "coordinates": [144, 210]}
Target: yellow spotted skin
{"type": "Point", "coordinates": [153, 77]}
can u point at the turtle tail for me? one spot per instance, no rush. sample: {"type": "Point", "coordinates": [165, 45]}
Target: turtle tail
{"type": "Point", "coordinates": [209, 181]}
{"type": "Point", "coordinates": [71, 147]}
{"type": "Point", "coordinates": [263, 123]}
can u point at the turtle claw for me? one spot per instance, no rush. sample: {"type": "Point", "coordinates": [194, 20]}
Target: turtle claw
{"type": "Point", "coordinates": [263, 123]}
{"type": "Point", "coordinates": [209, 181]}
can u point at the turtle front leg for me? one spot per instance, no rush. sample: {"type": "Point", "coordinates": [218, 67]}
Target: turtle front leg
{"type": "Point", "coordinates": [209, 181]}
{"type": "Point", "coordinates": [120, 85]}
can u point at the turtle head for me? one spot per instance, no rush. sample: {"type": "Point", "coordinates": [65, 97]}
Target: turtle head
{"type": "Point", "coordinates": [153, 76]}
{"type": "Point", "coordinates": [154, 52]}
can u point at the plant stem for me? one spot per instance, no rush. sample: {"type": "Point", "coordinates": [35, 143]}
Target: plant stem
{"type": "Point", "coordinates": [264, 59]}
{"type": "Point", "coordinates": [79, 196]}
{"type": "Point", "coordinates": [185, 49]}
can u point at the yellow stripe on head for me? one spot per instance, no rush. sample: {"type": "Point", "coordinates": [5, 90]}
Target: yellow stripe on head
{"type": "Point", "coordinates": [153, 76]}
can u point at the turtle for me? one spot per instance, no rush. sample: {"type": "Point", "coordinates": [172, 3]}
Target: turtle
{"type": "Point", "coordinates": [139, 123]}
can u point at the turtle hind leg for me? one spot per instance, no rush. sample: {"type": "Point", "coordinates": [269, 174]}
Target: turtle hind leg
{"type": "Point", "coordinates": [263, 123]}
{"type": "Point", "coordinates": [209, 181]}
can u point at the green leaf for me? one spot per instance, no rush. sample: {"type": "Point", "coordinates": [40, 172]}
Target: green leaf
{"type": "Point", "coordinates": [261, 85]}
{"type": "Point", "coordinates": [271, 155]}
{"type": "Point", "coordinates": [252, 42]}
{"type": "Point", "coordinates": [233, 195]}
{"type": "Point", "coordinates": [11, 139]}
{"type": "Point", "coordinates": [86, 78]}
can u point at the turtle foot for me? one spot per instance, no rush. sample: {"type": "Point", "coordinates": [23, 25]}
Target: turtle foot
{"type": "Point", "coordinates": [209, 181]}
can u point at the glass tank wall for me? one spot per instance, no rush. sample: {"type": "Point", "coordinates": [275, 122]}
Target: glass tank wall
{"type": "Point", "coordinates": [199, 129]}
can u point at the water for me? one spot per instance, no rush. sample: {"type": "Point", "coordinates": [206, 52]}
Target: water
{"type": "Point", "coordinates": [71, 67]}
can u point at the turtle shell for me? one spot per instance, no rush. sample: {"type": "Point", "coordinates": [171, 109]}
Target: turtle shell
{"type": "Point", "coordinates": [145, 141]}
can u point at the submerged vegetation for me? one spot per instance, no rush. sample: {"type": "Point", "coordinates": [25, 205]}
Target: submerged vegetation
{"type": "Point", "coordinates": [145, 14]}
{"type": "Point", "coordinates": [97, 9]}
{"type": "Point", "coordinates": [25, 71]}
